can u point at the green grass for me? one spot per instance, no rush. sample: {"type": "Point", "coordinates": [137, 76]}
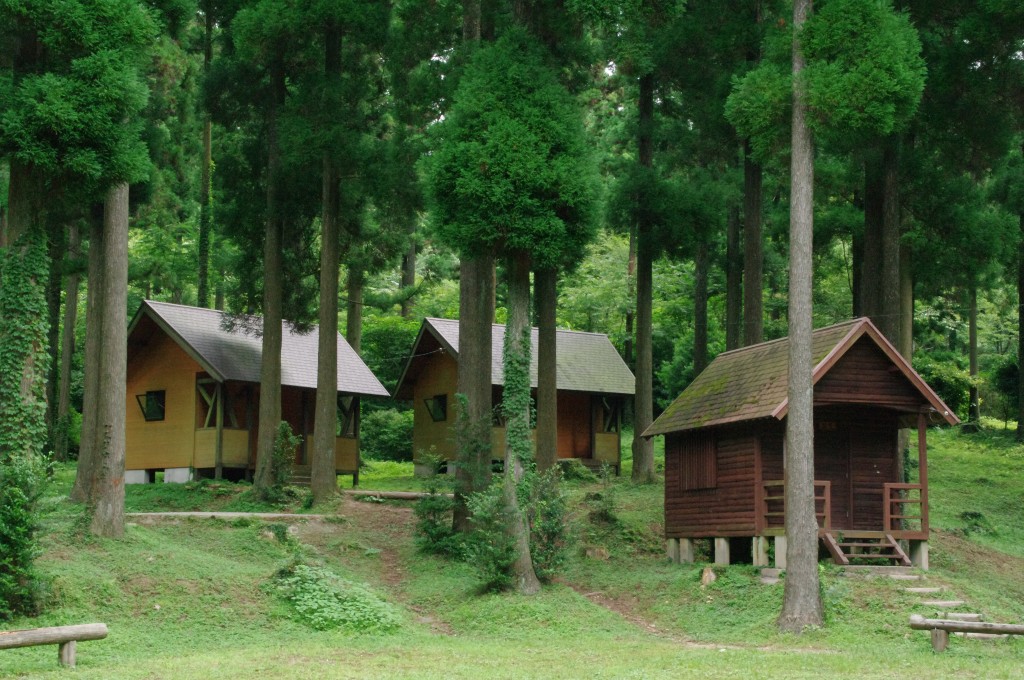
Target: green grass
{"type": "Point", "coordinates": [186, 598]}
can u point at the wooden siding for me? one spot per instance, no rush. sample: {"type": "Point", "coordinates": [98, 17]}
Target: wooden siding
{"type": "Point", "coordinates": [439, 376]}
{"type": "Point", "coordinates": [235, 448]}
{"type": "Point", "coordinates": [608, 448]}
{"type": "Point", "coordinates": [864, 375]}
{"type": "Point", "coordinates": [574, 425]}
{"type": "Point", "coordinates": [727, 509]}
{"type": "Point", "coordinates": [872, 465]}
{"type": "Point", "coordinates": [346, 454]}
{"type": "Point", "coordinates": [161, 364]}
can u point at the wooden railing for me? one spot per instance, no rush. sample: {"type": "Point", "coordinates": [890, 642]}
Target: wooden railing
{"type": "Point", "coordinates": [773, 504]}
{"type": "Point", "coordinates": [898, 511]}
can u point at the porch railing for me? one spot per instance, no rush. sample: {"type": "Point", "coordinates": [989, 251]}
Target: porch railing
{"type": "Point", "coordinates": [773, 504]}
{"type": "Point", "coordinates": [905, 508]}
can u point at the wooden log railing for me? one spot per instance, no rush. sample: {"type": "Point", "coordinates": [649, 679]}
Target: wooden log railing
{"type": "Point", "coordinates": [941, 628]}
{"type": "Point", "coordinates": [773, 504]}
{"type": "Point", "coordinates": [898, 511]}
{"type": "Point", "coordinates": [63, 636]}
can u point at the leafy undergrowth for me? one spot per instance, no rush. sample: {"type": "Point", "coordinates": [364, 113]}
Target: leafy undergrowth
{"type": "Point", "coordinates": [199, 598]}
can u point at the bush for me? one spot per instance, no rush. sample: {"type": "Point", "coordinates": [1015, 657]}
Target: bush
{"type": "Point", "coordinates": [490, 547]}
{"type": "Point", "coordinates": [547, 517]}
{"type": "Point", "coordinates": [324, 601]}
{"type": "Point", "coordinates": [951, 382]}
{"type": "Point", "coordinates": [434, 533]}
{"type": "Point", "coordinates": [387, 435]}
{"type": "Point", "coordinates": [285, 443]}
{"type": "Point", "coordinates": [21, 482]}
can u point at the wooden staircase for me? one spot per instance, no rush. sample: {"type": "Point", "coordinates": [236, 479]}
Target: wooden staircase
{"type": "Point", "coordinates": [872, 547]}
{"type": "Point", "coordinates": [300, 475]}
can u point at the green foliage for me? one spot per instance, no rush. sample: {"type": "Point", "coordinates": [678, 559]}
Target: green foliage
{"type": "Point", "coordinates": [324, 601]}
{"type": "Point", "coordinates": [387, 435]}
{"type": "Point", "coordinates": [385, 344]}
{"type": "Point", "coordinates": [281, 460]}
{"type": "Point", "coordinates": [950, 382]}
{"type": "Point", "coordinates": [434, 533]}
{"type": "Point", "coordinates": [21, 485]}
{"type": "Point", "coordinates": [511, 168]}
{"type": "Point", "coordinates": [490, 548]}
{"type": "Point", "coordinates": [547, 516]}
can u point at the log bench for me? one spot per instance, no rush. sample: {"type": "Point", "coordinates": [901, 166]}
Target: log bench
{"type": "Point", "coordinates": [941, 628]}
{"type": "Point", "coordinates": [63, 636]}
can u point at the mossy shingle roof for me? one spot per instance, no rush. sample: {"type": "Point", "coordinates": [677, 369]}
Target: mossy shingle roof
{"type": "Point", "coordinates": [233, 351]}
{"type": "Point", "coordinates": [585, 362]}
{"type": "Point", "coordinates": [753, 382]}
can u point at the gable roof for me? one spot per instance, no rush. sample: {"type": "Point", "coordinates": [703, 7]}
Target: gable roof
{"type": "Point", "coordinates": [235, 353]}
{"type": "Point", "coordinates": [585, 362]}
{"type": "Point", "coordinates": [753, 382]}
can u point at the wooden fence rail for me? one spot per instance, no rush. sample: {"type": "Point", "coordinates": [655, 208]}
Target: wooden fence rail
{"type": "Point", "coordinates": [64, 636]}
{"type": "Point", "coordinates": [941, 628]}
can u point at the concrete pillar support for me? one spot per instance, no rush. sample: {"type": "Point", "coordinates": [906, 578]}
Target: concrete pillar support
{"type": "Point", "coordinates": [759, 551]}
{"type": "Point", "coordinates": [686, 550]}
{"type": "Point", "coordinates": [137, 477]}
{"type": "Point", "coordinates": [722, 551]}
{"type": "Point", "coordinates": [919, 554]}
{"type": "Point", "coordinates": [672, 549]}
{"type": "Point", "coordinates": [780, 552]}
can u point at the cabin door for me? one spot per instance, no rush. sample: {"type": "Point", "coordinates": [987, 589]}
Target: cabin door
{"type": "Point", "coordinates": [832, 464]}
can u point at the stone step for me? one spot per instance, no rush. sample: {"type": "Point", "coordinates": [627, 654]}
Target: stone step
{"type": "Point", "coordinates": [923, 591]}
{"type": "Point", "coordinates": [943, 604]}
{"type": "Point", "coordinates": [906, 577]}
{"type": "Point", "coordinates": [771, 572]}
{"type": "Point", "coordinates": [879, 569]}
{"type": "Point", "coordinates": [770, 580]}
{"type": "Point", "coordinates": [964, 616]}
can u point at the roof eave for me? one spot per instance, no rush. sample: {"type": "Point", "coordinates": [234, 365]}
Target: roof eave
{"type": "Point", "coordinates": [167, 328]}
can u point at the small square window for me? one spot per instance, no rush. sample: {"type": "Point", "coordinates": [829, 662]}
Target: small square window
{"type": "Point", "coordinates": [437, 407]}
{"type": "Point", "coordinates": [152, 404]}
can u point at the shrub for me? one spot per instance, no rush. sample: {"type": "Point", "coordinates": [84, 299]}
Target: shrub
{"type": "Point", "coordinates": [324, 601]}
{"type": "Point", "coordinates": [387, 435]}
{"type": "Point", "coordinates": [547, 517]}
{"type": "Point", "coordinates": [285, 443]}
{"type": "Point", "coordinates": [434, 533]}
{"type": "Point", "coordinates": [951, 382]}
{"type": "Point", "coordinates": [490, 547]}
{"type": "Point", "coordinates": [21, 482]}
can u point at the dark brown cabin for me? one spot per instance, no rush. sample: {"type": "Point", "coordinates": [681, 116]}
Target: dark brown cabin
{"type": "Point", "coordinates": [592, 379]}
{"type": "Point", "coordinates": [724, 450]}
{"type": "Point", "coordinates": [193, 394]}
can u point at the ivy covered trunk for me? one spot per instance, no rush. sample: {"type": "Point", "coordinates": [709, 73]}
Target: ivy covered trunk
{"type": "Point", "coordinates": [516, 408]}
{"type": "Point", "coordinates": [106, 501]}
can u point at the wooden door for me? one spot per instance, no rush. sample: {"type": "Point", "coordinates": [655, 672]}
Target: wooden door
{"type": "Point", "coordinates": [832, 464]}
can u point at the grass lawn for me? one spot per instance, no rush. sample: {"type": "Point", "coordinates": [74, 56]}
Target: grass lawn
{"type": "Point", "coordinates": [190, 598]}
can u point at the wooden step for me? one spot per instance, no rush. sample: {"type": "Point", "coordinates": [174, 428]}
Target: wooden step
{"type": "Point", "coordinates": [983, 636]}
{"type": "Point", "coordinates": [943, 604]}
{"type": "Point", "coordinates": [964, 616]}
{"type": "Point", "coordinates": [923, 591]}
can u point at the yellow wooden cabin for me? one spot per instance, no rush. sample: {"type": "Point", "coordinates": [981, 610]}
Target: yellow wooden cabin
{"type": "Point", "coordinates": [593, 383]}
{"type": "Point", "coordinates": [193, 394]}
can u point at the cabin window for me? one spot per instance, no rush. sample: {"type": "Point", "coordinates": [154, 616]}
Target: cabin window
{"type": "Point", "coordinates": [152, 404]}
{"type": "Point", "coordinates": [437, 407]}
{"type": "Point", "coordinates": [699, 464]}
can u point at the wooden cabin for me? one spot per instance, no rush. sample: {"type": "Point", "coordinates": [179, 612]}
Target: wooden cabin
{"type": "Point", "coordinates": [194, 390]}
{"type": "Point", "coordinates": [593, 383]}
{"type": "Point", "coordinates": [725, 447]}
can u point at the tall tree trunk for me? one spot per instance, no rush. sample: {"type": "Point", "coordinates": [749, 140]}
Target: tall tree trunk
{"type": "Point", "coordinates": [545, 281]}
{"type": "Point", "coordinates": [323, 472]}
{"type": "Point", "coordinates": [801, 605]}
{"type": "Point", "coordinates": [23, 359]}
{"type": "Point", "coordinates": [205, 216]}
{"type": "Point", "coordinates": [643, 448]}
{"type": "Point", "coordinates": [627, 350]}
{"type": "Point", "coordinates": [354, 317]}
{"type": "Point", "coordinates": [753, 251]}
{"type": "Point", "coordinates": [857, 275]}
{"type": "Point", "coordinates": [974, 414]}
{"type": "Point", "coordinates": [474, 415]}
{"type": "Point", "coordinates": [106, 497]}
{"type": "Point", "coordinates": [733, 280]}
{"type": "Point", "coordinates": [56, 247]}
{"type": "Point", "coordinates": [889, 285]}
{"type": "Point", "coordinates": [906, 348]}
{"type": "Point", "coordinates": [67, 347]}
{"type": "Point", "coordinates": [700, 308]}
{"type": "Point", "coordinates": [270, 362]}
{"type": "Point", "coordinates": [874, 215]}
{"type": "Point", "coordinates": [1020, 331]}
{"type": "Point", "coordinates": [516, 406]}
{"type": "Point", "coordinates": [93, 333]}
{"type": "Point", "coordinates": [409, 269]}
